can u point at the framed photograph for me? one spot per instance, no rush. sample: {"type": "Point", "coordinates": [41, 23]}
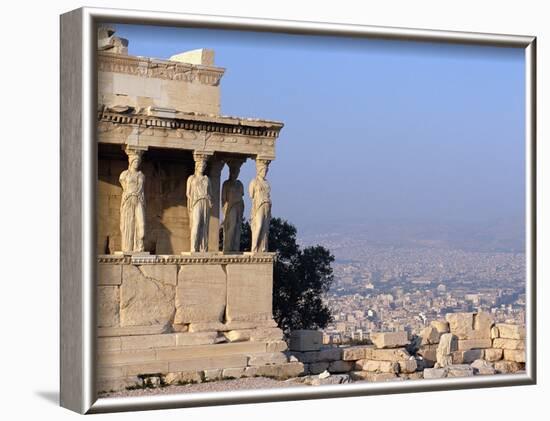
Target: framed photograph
{"type": "Point", "coordinates": [261, 210]}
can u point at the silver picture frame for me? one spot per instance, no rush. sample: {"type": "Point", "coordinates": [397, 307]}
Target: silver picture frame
{"type": "Point", "coordinates": [78, 174]}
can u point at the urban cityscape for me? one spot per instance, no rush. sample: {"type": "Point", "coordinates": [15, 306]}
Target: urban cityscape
{"type": "Point", "coordinates": [380, 287]}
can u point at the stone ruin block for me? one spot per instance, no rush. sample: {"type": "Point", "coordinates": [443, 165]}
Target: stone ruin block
{"type": "Point", "coordinates": [470, 325]}
{"type": "Point", "coordinates": [144, 300]}
{"type": "Point", "coordinates": [108, 306]}
{"type": "Point", "coordinates": [510, 331]}
{"type": "Point", "coordinates": [200, 294]}
{"type": "Point", "coordinates": [306, 340]}
{"type": "Point", "coordinates": [390, 339]}
{"type": "Point", "coordinates": [249, 292]}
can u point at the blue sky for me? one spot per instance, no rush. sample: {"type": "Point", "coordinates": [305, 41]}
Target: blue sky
{"type": "Point", "coordinates": [375, 130]}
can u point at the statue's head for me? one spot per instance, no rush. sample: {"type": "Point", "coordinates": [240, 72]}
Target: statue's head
{"type": "Point", "coordinates": [134, 161]}
{"type": "Point", "coordinates": [200, 164]}
{"type": "Point", "coordinates": [234, 169]}
{"type": "Point", "coordinates": [262, 166]}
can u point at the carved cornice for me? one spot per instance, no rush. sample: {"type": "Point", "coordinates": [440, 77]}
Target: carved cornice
{"type": "Point", "coordinates": [194, 122]}
{"type": "Point", "coordinates": [160, 69]}
{"type": "Point", "coordinates": [210, 259]}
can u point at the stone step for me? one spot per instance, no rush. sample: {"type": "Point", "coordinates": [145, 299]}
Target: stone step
{"type": "Point", "coordinates": [180, 353]}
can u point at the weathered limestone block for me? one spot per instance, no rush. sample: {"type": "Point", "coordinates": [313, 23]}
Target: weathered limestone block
{"type": "Point", "coordinates": [281, 371]}
{"type": "Point", "coordinates": [355, 353]}
{"type": "Point", "coordinates": [233, 373]}
{"type": "Point", "coordinates": [460, 324]}
{"type": "Point", "coordinates": [183, 377]}
{"type": "Point", "coordinates": [457, 357]}
{"type": "Point", "coordinates": [483, 322]}
{"type": "Point", "coordinates": [381, 377]}
{"type": "Point", "coordinates": [108, 305]}
{"type": "Point", "coordinates": [505, 367]}
{"type": "Point", "coordinates": [494, 332]}
{"type": "Point", "coordinates": [266, 334]}
{"type": "Point", "coordinates": [277, 346]}
{"type": "Point", "coordinates": [306, 357]}
{"type": "Point", "coordinates": [233, 325]}
{"type": "Point", "coordinates": [448, 344]}
{"type": "Point", "coordinates": [435, 373]}
{"type": "Point", "coordinates": [430, 335]}
{"type": "Point", "coordinates": [148, 341]}
{"type": "Point", "coordinates": [207, 363]}
{"type": "Point", "coordinates": [318, 367]}
{"type": "Point", "coordinates": [109, 274]}
{"type": "Point", "coordinates": [126, 357]}
{"type": "Point", "coordinates": [407, 366]}
{"type": "Point", "coordinates": [214, 350]}
{"type": "Point", "coordinates": [131, 330]}
{"type": "Point", "coordinates": [249, 292]}
{"type": "Point", "coordinates": [428, 354]}
{"type": "Point", "coordinates": [144, 301]}
{"type": "Point", "coordinates": [389, 339]}
{"type": "Point", "coordinates": [305, 340]}
{"type": "Point", "coordinates": [493, 354]}
{"type": "Point", "coordinates": [466, 344]}
{"type": "Point", "coordinates": [483, 367]}
{"type": "Point", "coordinates": [237, 335]}
{"type": "Point", "coordinates": [392, 354]}
{"type": "Point", "coordinates": [250, 372]}
{"type": "Point", "coordinates": [330, 354]}
{"type": "Point", "coordinates": [267, 358]}
{"type": "Point", "coordinates": [377, 366]}
{"type": "Point", "coordinates": [167, 274]}
{"type": "Point", "coordinates": [508, 343]}
{"type": "Point", "coordinates": [442, 326]}
{"type": "Point", "coordinates": [146, 368]}
{"type": "Point", "coordinates": [340, 366]}
{"type": "Point", "coordinates": [471, 355]}
{"type": "Point", "coordinates": [470, 325]}
{"type": "Point", "coordinates": [200, 294]}
{"type": "Point", "coordinates": [460, 370]}
{"type": "Point", "coordinates": [213, 374]}
{"type": "Point", "coordinates": [195, 338]}
{"type": "Point", "coordinates": [517, 355]}
{"type": "Point", "coordinates": [510, 331]}
{"type": "Point", "coordinates": [108, 344]}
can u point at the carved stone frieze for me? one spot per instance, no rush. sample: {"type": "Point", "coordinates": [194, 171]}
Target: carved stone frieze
{"type": "Point", "coordinates": [160, 69]}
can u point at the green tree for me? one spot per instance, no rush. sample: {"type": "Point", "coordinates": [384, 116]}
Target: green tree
{"type": "Point", "coordinates": [300, 278]}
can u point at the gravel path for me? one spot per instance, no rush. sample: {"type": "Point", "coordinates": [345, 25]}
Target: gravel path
{"type": "Point", "coordinates": [214, 386]}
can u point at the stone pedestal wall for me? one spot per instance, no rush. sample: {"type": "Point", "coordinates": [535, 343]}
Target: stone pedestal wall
{"type": "Point", "coordinates": [193, 317]}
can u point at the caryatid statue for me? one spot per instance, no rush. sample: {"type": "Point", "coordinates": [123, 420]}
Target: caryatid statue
{"type": "Point", "coordinates": [132, 204]}
{"type": "Point", "coordinates": [199, 203]}
{"type": "Point", "coordinates": [232, 207]}
{"type": "Point", "coordinates": [260, 214]}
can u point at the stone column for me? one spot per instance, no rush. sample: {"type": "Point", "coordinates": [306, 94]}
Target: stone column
{"type": "Point", "coordinates": [260, 214]}
{"type": "Point", "coordinates": [132, 204]}
{"type": "Point", "coordinates": [214, 174]}
{"type": "Point", "coordinates": [232, 206]}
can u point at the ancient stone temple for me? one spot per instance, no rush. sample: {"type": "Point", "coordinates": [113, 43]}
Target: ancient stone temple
{"type": "Point", "coordinates": [173, 304]}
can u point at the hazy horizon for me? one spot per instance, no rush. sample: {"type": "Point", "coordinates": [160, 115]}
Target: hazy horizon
{"type": "Point", "coordinates": [375, 131]}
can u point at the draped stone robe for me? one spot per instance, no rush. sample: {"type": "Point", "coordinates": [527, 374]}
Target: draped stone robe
{"type": "Point", "coordinates": [260, 215]}
{"type": "Point", "coordinates": [199, 203]}
{"type": "Point", "coordinates": [233, 208]}
{"type": "Point", "coordinates": [132, 211]}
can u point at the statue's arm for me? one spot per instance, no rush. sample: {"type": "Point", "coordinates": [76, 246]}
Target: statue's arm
{"type": "Point", "coordinates": [122, 179]}
{"type": "Point", "coordinates": [188, 189]}
{"type": "Point", "coordinates": [251, 189]}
